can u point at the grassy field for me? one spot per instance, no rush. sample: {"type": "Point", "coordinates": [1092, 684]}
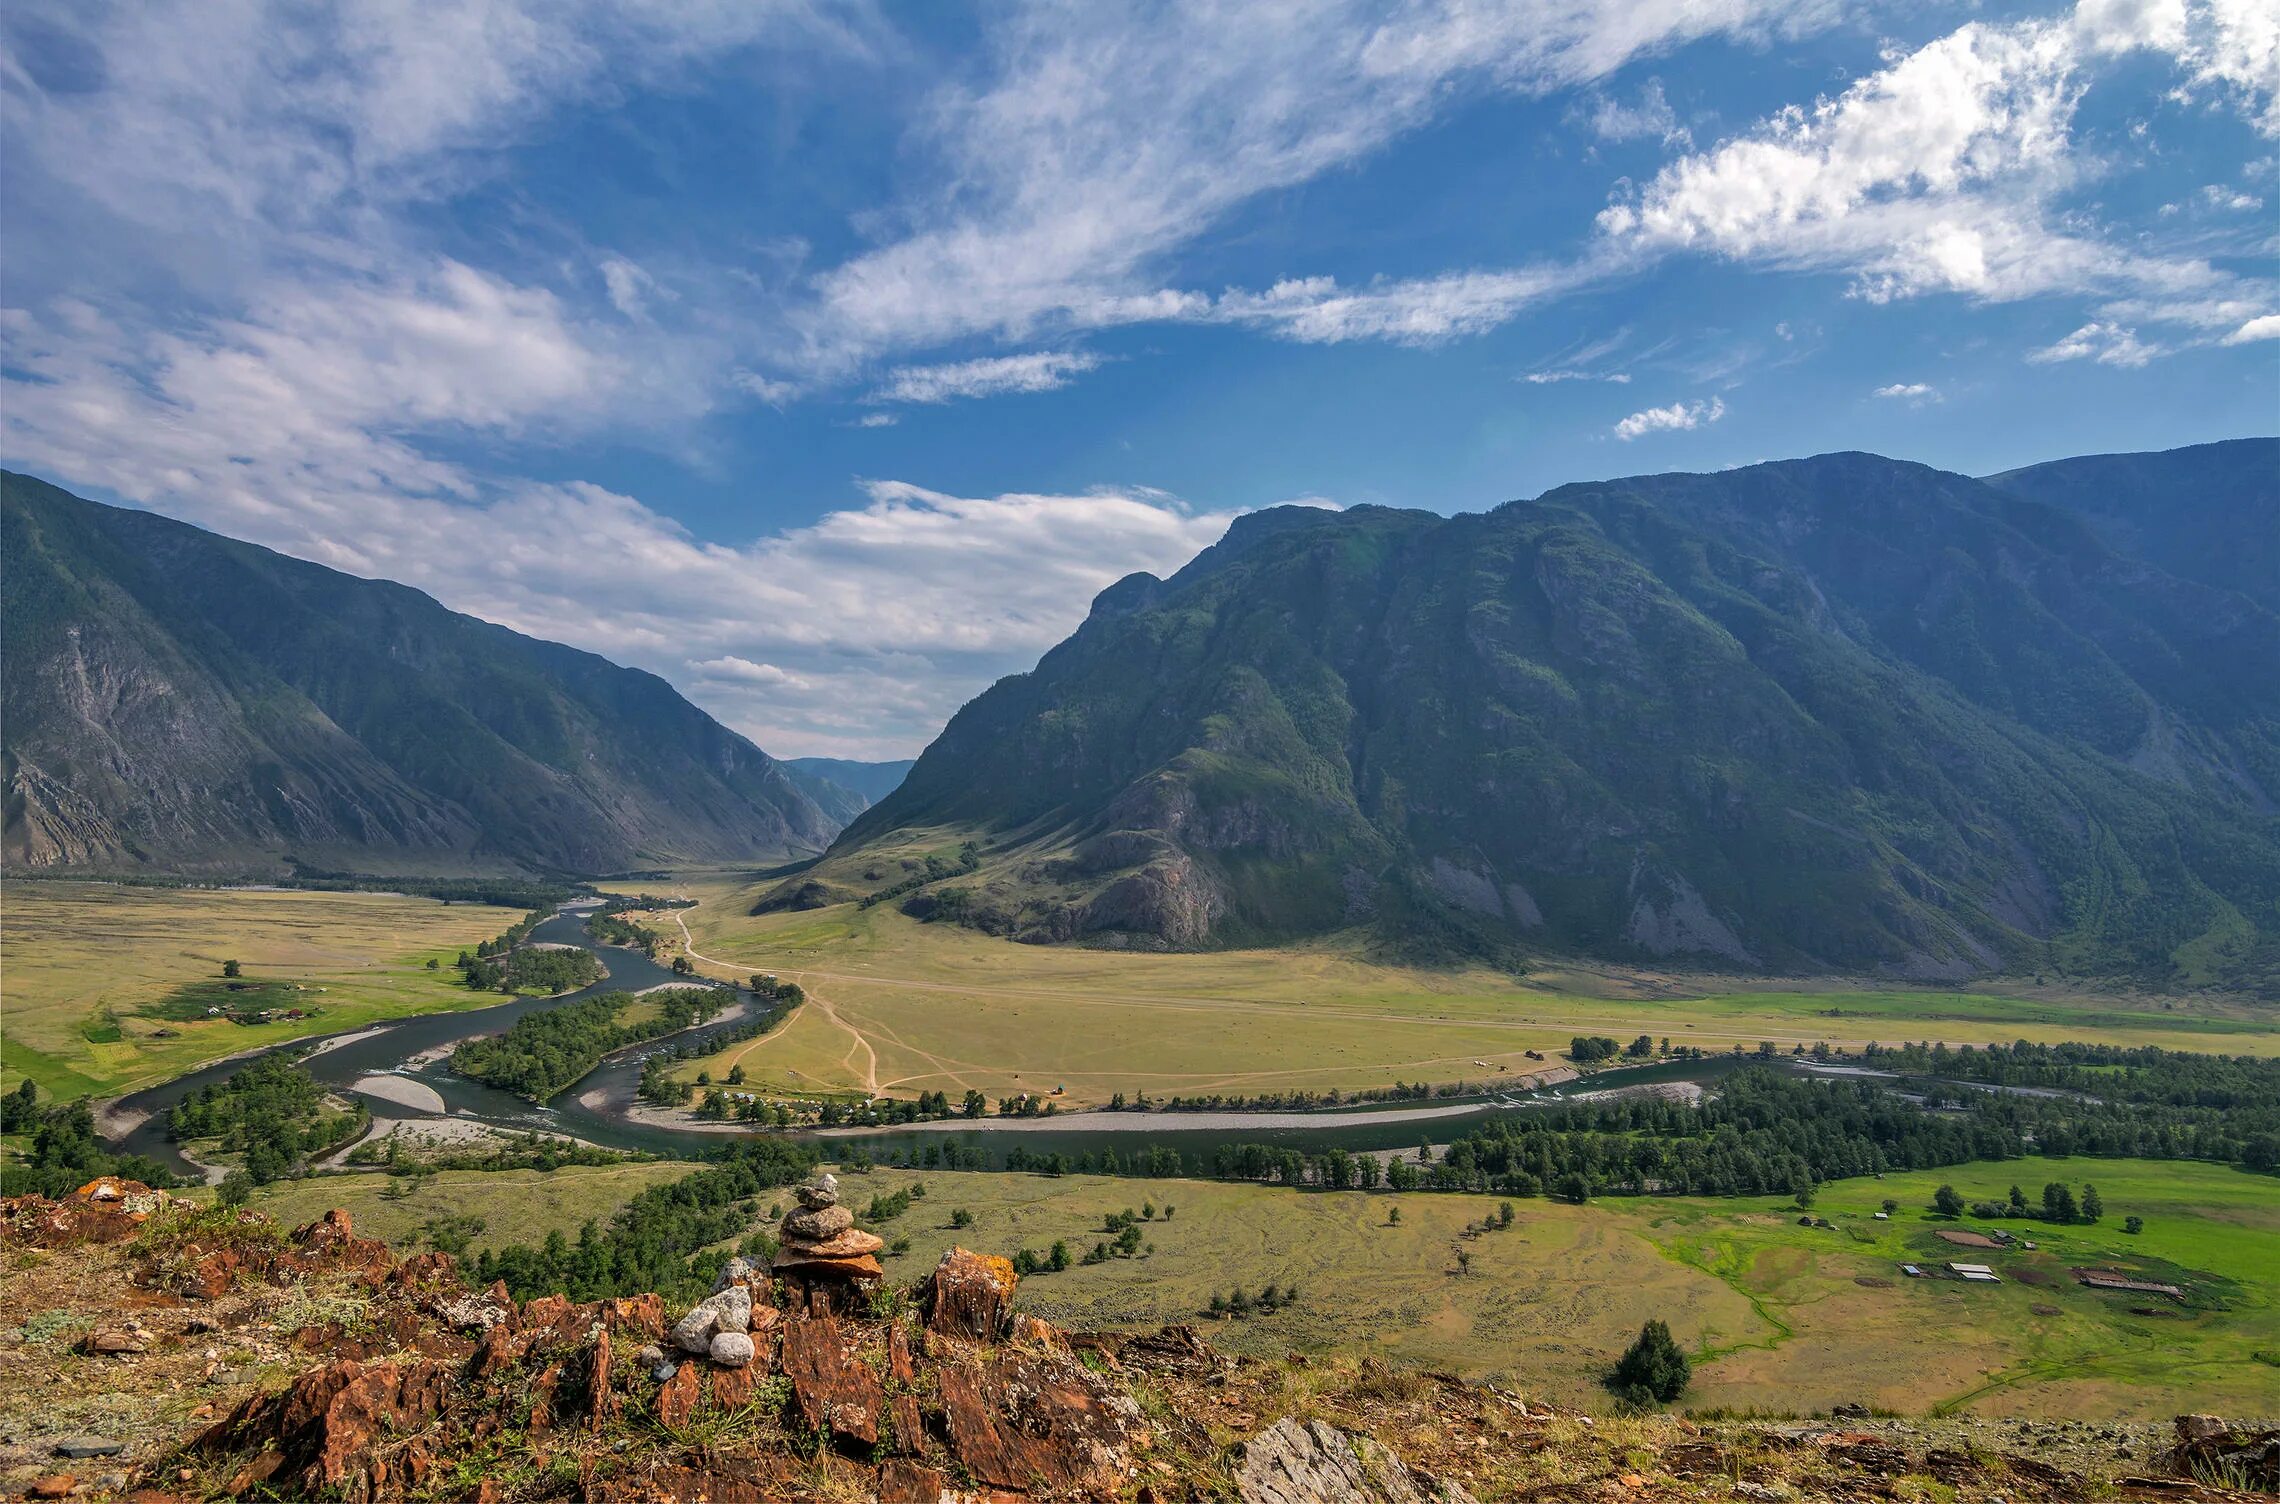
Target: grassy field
{"type": "Point", "coordinates": [88, 965]}
{"type": "Point", "coordinates": [1780, 1317]}
{"type": "Point", "coordinates": [1778, 1314]}
{"type": "Point", "coordinates": [902, 1007]}
{"type": "Point", "coordinates": [517, 1206]}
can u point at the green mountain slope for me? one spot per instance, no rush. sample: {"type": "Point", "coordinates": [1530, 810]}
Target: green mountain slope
{"type": "Point", "coordinates": [181, 701]}
{"type": "Point", "coordinates": [1835, 713]}
{"type": "Point", "coordinates": [2209, 513]}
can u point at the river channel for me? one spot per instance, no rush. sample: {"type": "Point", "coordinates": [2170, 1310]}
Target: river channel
{"type": "Point", "coordinates": [594, 1109]}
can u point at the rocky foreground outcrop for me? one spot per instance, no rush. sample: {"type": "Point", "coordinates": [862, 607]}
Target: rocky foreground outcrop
{"type": "Point", "coordinates": [337, 1371]}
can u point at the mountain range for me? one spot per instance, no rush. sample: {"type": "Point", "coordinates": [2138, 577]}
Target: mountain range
{"type": "Point", "coordinates": [866, 782]}
{"type": "Point", "coordinates": [1840, 713]}
{"type": "Point", "coordinates": [181, 702]}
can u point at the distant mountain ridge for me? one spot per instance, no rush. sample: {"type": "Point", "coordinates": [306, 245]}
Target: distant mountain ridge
{"type": "Point", "coordinates": [180, 701]}
{"type": "Point", "coordinates": [869, 782]}
{"type": "Point", "coordinates": [1838, 713]}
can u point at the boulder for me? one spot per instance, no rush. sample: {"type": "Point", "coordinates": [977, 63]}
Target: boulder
{"type": "Point", "coordinates": [815, 1226]}
{"type": "Point", "coordinates": [970, 1295]}
{"type": "Point", "coordinates": [2210, 1447]}
{"type": "Point", "coordinates": [729, 1311]}
{"type": "Point", "coordinates": [819, 1193]}
{"type": "Point", "coordinates": [731, 1349]}
{"type": "Point", "coordinates": [1310, 1462]}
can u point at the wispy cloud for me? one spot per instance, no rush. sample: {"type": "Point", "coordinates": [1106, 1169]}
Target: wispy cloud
{"type": "Point", "coordinates": [1037, 371]}
{"type": "Point", "coordinates": [1676, 417]}
{"type": "Point", "coordinates": [2107, 344]}
{"type": "Point", "coordinates": [1913, 393]}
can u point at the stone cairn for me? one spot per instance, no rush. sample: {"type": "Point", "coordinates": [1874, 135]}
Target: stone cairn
{"type": "Point", "coordinates": [827, 1266]}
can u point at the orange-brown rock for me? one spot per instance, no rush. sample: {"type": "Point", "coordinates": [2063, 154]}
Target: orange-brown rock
{"type": "Point", "coordinates": [105, 1210]}
{"type": "Point", "coordinates": [683, 1485]}
{"type": "Point", "coordinates": [323, 1433]}
{"type": "Point", "coordinates": [1040, 1421]}
{"type": "Point", "coordinates": [677, 1400]}
{"type": "Point", "coordinates": [332, 1242]}
{"type": "Point", "coordinates": [862, 1269]}
{"type": "Point", "coordinates": [732, 1387]}
{"type": "Point", "coordinates": [853, 1243]}
{"type": "Point", "coordinates": [601, 1405]}
{"type": "Point", "coordinates": [53, 1486]}
{"type": "Point", "coordinates": [834, 1388]}
{"type": "Point", "coordinates": [902, 1481]}
{"type": "Point", "coordinates": [907, 1421]}
{"type": "Point", "coordinates": [970, 1295]}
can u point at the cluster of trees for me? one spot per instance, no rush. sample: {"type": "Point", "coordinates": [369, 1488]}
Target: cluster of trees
{"type": "Point", "coordinates": [655, 1240]}
{"type": "Point", "coordinates": [1304, 1100]}
{"type": "Point", "coordinates": [271, 1112]}
{"type": "Point", "coordinates": [65, 1153]}
{"type": "Point", "coordinates": [1653, 1370]}
{"type": "Point", "coordinates": [2059, 1204]}
{"type": "Point", "coordinates": [544, 971]}
{"type": "Point", "coordinates": [20, 1109]}
{"type": "Point", "coordinates": [1052, 1261]}
{"type": "Point", "coordinates": [932, 870]}
{"type": "Point", "coordinates": [885, 1208]}
{"type": "Point", "coordinates": [522, 1151]}
{"type": "Point", "coordinates": [542, 1053]}
{"type": "Point", "coordinates": [1766, 1131]}
{"type": "Point", "coordinates": [1238, 1302]}
{"type": "Point", "coordinates": [1592, 1048]}
{"type": "Point", "coordinates": [610, 929]}
{"type": "Point", "coordinates": [1027, 1105]}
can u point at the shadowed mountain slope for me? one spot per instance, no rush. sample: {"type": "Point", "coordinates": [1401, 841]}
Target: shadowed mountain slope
{"type": "Point", "coordinates": [180, 701]}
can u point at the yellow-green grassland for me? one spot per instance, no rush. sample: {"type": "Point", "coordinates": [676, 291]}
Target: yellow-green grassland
{"type": "Point", "coordinates": [90, 967]}
{"type": "Point", "coordinates": [900, 1007]}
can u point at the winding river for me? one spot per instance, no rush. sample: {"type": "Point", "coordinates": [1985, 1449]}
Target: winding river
{"type": "Point", "coordinates": [416, 1051]}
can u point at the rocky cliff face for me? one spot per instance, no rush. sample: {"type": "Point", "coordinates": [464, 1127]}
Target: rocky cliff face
{"type": "Point", "coordinates": [1840, 713]}
{"type": "Point", "coordinates": [234, 1360]}
{"type": "Point", "coordinates": [179, 701]}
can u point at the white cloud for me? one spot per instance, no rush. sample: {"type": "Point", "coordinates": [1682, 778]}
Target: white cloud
{"type": "Point", "coordinates": [1110, 139]}
{"type": "Point", "coordinates": [1037, 371]}
{"type": "Point", "coordinates": [876, 420]}
{"type": "Point", "coordinates": [1677, 416]}
{"type": "Point", "coordinates": [2264, 326]}
{"type": "Point", "coordinates": [1911, 392]}
{"type": "Point", "coordinates": [1569, 373]}
{"type": "Point", "coordinates": [1945, 171]}
{"type": "Point", "coordinates": [772, 390]}
{"type": "Point", "coordinates": [1651, 119]}
{"type": "Point", "coordinates": [858, 634]}
{"type": "Point", "coordinates": [2107, 344]}
{"type": "Point", "coordinates": [1424, 311]}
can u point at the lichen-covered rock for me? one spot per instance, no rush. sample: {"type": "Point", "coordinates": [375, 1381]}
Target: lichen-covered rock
{"type": "Point", "coordinates": [819, 1193]}
{"type": "Point", "coordinates": [1310, 1462]}
{"type": "Point", "coordinates": [731, 1349]}
{"type": "Point", "coordinates": [970, 1295]}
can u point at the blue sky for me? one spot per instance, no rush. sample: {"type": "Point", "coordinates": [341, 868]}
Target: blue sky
{"type": "Point", "coordinates": [827, 359]}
